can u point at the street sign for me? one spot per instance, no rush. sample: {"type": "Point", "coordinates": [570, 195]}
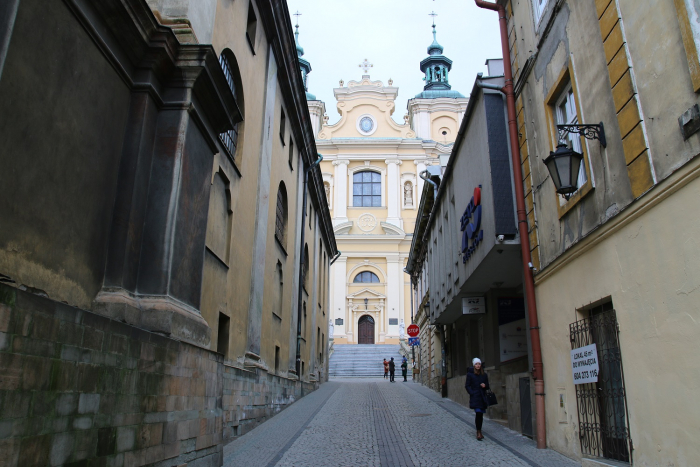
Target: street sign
{"type": "Point", "coordinates": [414, 341]}
{"type": "Point", "coordinates": [413, 330]}
{"type": "Point", "coordinates": [473, 305]}
{"type": "Point", "coordinates": [584, 363]}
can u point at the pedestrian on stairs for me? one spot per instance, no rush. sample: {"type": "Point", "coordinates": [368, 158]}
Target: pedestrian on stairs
{"type": "Point", "coordinates": [404, 369]}
{"type": "Point", "coordinates": [476, 385]}
{"type": "Point", "coordinates": [392, 370]}
{"type": "Point", "coordinates": [386, 369]}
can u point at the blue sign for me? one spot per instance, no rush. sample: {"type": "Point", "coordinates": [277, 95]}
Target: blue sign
{"type": "Point", "coordinates": [414, 341]}
{"type": "Point", "coordinates": [470, 225]}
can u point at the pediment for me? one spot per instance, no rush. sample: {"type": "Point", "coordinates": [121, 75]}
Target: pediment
{"type": "Point", "coordinates": [391, 229]}
{"type": "Point", "coordinates": [366, 291]}
{"type": "Point", "coordinates": [342, 229]}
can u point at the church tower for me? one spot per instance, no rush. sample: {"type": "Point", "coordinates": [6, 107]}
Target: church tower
{"type": "Point", "coordinates": [435, 113]}
{"type": "Point", "coordinates": [316, 107]}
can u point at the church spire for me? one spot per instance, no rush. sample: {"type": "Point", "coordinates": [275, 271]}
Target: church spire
{"type": "Point", "coordinates": [304, 64]}
{"type": "Point", "coordinates": [436, 68]}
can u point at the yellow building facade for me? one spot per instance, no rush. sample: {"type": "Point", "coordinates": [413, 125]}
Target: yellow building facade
{"type": "Point", "coordinates": [371, 174]}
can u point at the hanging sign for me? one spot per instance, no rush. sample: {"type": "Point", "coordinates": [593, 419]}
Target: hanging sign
{"type": "Point", "coordinates": [470, 225]}
{"type": "Point", "coordinates": [473, 305]}
{"type": "Point", "coordinates": [584, 363]}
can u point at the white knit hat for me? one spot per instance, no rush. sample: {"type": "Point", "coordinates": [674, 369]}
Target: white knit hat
{"type": "Point", "coordinates": [475, 361]}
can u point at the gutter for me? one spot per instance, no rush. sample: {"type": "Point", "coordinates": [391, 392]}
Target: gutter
{"type": "Point", "coordinates": [528, 277]}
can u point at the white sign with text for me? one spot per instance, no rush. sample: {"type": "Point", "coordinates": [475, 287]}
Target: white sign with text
{"type": "Point", "coordinates": [473, 305]}
{"type": "Point", "coordinates": [584, 363]}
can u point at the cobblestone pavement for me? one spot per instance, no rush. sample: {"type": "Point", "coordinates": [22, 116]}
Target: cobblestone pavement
{"type": "Point", "coordinates": [371, 422]}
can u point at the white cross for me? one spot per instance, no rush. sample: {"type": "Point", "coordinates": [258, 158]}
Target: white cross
{"type": "Point", "coordinates": [297, 14]}
{"type": "Point", "coordinates": [433, 14]}
{"type": "Point", "coordinates": [366, 65]}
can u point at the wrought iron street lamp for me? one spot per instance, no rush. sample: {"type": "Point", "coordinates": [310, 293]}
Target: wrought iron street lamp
{"type": "Point", "coordinates": [564, 164]}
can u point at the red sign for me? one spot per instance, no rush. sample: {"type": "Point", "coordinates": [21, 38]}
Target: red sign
{"type": "Point", "coordinates": [413, 330]}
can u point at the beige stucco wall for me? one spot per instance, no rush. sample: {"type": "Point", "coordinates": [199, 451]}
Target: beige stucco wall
{"type": "Point", "coordinates": [648, 262]}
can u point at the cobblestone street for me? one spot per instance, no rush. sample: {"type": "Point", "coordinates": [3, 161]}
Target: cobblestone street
{"type": "Point", "coordinates": [370, 422]}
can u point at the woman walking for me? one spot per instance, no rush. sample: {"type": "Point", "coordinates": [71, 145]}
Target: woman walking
{"type": "Point", "coordinates": [386, 369]}
{"type": "Point", "coordinates": [476, 385]}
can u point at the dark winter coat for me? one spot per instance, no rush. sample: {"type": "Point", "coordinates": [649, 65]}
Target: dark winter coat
{"type": "Point", "coordinates": [476, 392]}
{"type": "Point", "coordinates": [392, 366]}
{"type": "Point", "coordinates": [404, 368]}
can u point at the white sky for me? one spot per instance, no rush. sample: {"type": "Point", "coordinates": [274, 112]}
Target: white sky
{"type": "Point", "coordinates": [394, 36]}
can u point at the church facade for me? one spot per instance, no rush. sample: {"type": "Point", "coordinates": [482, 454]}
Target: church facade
{"type": "Point", "coordinates": [372, 177]}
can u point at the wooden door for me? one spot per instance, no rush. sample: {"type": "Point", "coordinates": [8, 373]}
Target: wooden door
{"type": "Point", "coordinates": [365, 328]}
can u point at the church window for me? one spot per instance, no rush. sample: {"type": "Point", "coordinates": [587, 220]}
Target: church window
{"type": "Point", "coordinates": [228, 66]}
{"type": "Point", "coordinates": [367, 189]}
{"type": "Point", "coordinates": [281, 215]}
{"type": "Point", "coordinates": [366, 277]}
{"type": "Point", "coordinates": [251, 27]}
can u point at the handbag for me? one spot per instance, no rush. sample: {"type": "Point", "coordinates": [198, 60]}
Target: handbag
{"type": "Point", "coordinates": [490, 398]}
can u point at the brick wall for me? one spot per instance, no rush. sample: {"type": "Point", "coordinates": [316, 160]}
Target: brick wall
{"type": "Point", "coordinates": [81, 390]}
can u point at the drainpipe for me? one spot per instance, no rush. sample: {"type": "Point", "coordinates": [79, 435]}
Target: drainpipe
{"type": "Point", "coordinates": [337, 255]}
{"type": "Point", "coordinates": [301, 264]}
{"type": "Point", "coordinates": [427, 179]}
{"type": "Point", "coordinates": [443, 379]}
{"type": "Point", "coordinates": [529, 282]}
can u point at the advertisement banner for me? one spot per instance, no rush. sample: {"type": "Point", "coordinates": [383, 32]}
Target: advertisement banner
{"type": "Point", "coordinates": [584, 363]}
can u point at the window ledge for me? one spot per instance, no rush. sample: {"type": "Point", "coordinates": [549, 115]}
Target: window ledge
{"type": "Point", "coordinates": [213, 253]}
{"type": "Point", "coordinates": [279, 244]}
{"type": "Point", "coordinates": [574, 200]}
{"type": "Point", "coordinates": [250, 43]}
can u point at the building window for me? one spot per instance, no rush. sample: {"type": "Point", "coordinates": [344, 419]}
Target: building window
{"type": "Point", "coordinates": [228, 66]}
{"type": "Point", "coordinates": [367, 189]}
{"type": "Point", "coordinates": [277, 360]}
{"type": "Point", "coordinates": [305, 271]}
{"type": "Point", "coordinates": [281, 216]}
{"type": "Point", "coordinates": [565, 109]}
{"type": "Point", "coordinates": [283, 124]}
{"type": "Point", "coordinates": [291, 153]}
{"type": "Point", "coordinates": [538, 7]}
{"type": "Point", "coordinates": [251, 27]}
{"type": "Point", "coordinates": [223, 334]}
{"type": "Point", "coordinates": [366, 277]}
{"type": "Point", "coordinates": [562, 107]}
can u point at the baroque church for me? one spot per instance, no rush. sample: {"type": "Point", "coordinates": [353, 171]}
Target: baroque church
{"type": "Point", "coordinates": [372, 170]}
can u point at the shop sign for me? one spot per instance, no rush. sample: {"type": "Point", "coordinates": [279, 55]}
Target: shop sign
{"type": "Point", "coordinates": [584, 363]}
{"type": "Point", "coordinates": [470, 225]}
{"type": "Point", "coordinates": [473, 305]}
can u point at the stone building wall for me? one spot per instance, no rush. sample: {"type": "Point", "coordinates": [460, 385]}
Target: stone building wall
{"type": "Point", "coordinates": [78, 386]}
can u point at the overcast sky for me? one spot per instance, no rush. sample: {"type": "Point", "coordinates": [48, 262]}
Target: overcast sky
{"type": "Point", "coordinates": [394, 36]}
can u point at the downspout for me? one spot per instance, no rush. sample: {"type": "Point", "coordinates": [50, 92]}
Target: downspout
{"type": "Point", "coordinates": [529, 282]}
{"type": "Point", "coordinates": [427, 179]}
{"type": "Point", "coordinates": [337, 255]}
{"type": "Point", "coordinates": [443, 374]}
{"type": "Point", "coordinates": [301, 263]}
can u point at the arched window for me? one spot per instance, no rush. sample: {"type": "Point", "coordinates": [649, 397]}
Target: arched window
{"type": "Point", "coordinates": [230, 68]}
{"type": "Point", "coordinates": [281, 216]}
{"type": "Point", "coordinates": [366, 277]}
{"type": "Point", "coordinates": [367, 189]}
{"type": "Point", "coordinates": [305, 270]}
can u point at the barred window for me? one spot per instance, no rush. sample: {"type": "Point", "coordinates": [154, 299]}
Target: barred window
{"type": "Point", "coordinates": [230, 138]}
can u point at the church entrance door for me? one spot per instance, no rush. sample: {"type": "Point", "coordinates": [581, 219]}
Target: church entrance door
{"type": "Point", "coordinates": [365, 328]}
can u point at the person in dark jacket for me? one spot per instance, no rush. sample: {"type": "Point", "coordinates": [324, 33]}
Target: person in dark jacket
{"type": "Point", "coordinates": [404, 369]}
{"type": "Point", "coordinates": [476, 385]}
{"type": "Point", "coordinates": [392, 369]}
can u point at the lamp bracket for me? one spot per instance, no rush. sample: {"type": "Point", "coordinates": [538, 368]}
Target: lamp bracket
{"type": "Point", "coordinates": [587, 131]}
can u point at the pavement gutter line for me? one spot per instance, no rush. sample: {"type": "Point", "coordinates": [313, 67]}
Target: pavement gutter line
{"type": "Point", "coordinates": [491, 438]}
{"type": "Point", "coordinates": [301, 429]}
{"type": "Point", "coordinates": [388, 446]}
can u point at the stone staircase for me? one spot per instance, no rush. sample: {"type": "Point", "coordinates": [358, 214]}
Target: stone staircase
{"type": "Point", "coordinates": [362, 360]}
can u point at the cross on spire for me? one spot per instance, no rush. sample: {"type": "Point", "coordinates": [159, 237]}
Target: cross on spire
{"type": "Point", "coordinates": [297, 14]}
{"type": "Point", "coordinates": [433, 14]}
{"type": "Point", "coordinates": [366, 65]}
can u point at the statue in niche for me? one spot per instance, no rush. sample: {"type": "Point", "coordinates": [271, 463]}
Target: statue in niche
{"type": "Point", "coordinates": [402, 328]}
{"type": "Point", "coordinates": [408, 194]}
{"type": "Point", "coordinates": [327, 187]}
{"type": "Point", "coordinates": [330, 328]}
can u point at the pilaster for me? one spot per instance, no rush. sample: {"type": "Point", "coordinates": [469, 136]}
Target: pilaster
{"type": "Point", "coordinates": [341, 191]}
{"type": "Point", "coordinates": [393, 195]}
